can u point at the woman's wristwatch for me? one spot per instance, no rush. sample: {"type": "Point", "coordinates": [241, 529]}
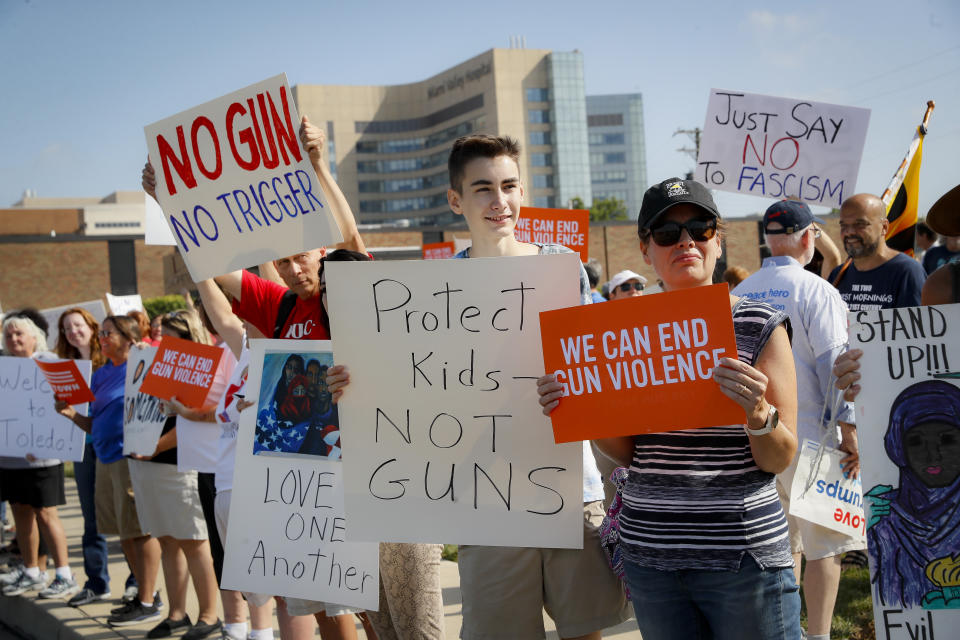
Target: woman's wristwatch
{"type": "Point", "coordinates": [773, 419]}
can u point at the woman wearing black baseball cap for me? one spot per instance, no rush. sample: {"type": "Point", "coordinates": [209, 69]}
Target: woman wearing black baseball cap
{"type": "Point", "coordinates": [703, 536]}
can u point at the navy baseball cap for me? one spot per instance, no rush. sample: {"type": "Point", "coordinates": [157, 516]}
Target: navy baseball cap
{"type": "Point", "coordinates": [792, 215]}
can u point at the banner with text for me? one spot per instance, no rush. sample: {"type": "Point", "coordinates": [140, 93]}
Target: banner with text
{"type": "Point", "coordinates": [142, 418]}
{"type": "Point", "coordinates": [183, 369]}
{"type": "Point", "coordinates": [908, 425]}
{"type": "Point", "coordinates": [28, 421]}
{"type": "Point", "coordinates": [821, 494]}
{"type": "Point", "coordinates": [441, 426]}
{"type": "Point", "coordinates": [781, 148]}
{"type": "Point", "coordinates": [613, 364]}
{"type": "Point", "coordinates": [438, 250]}
{"type": "Point", "coordinates": [122, 305]}
{"type": "Point", "coordinates": [236, 187]}
{"type": "Point", "coordinates": [288, 534]}
{"type": "Point", "coordinates": [65, 379]}
{"type": "Point", "coordinates": [52, 316]}
{"type": "Point", "coordinates": [569, 227]}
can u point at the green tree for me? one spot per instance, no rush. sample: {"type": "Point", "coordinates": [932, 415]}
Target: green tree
{"type": "Point", "coordinates": [608, 209]}
{"type": "Point", "coordinates": [164, 304]}
{"type": "Point", "coordinates": [577, 203]}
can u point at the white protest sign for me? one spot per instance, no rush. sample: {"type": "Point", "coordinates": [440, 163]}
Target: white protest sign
{"type": "Point", "coordinates": [122, 305]}
{"type": "Point", "coordinates": [142, 418]}
{"type": "Point", "coordinates": [829, 500]}
{"type": "Point", "coordinates": [908, 424]}
{"type": "Point", "coordinates": [156, 230]}
{"type": "Point", "coordinates": [288, 532]}
{"type": "Point", "coordinates": [52, 316]}
{"type": "Point", "coordinates": [781, 147]}
{"type": "Point", "coordinates": [28, 421]}
{"type": "Point", "coordinates": [442, 430]}
{"type": "Point", "coordinates": [236, 187]}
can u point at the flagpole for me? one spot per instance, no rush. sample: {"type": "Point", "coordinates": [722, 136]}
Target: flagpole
{"type": "Point", "coordinates": [897, 179]}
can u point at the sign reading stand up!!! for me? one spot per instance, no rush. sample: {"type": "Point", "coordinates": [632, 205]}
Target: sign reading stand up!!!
{"type": "Point", "coordinates": [236, 187]}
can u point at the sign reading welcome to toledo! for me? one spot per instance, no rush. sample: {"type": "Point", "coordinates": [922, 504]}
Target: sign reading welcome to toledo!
{"type": "Point", "coordinates": [236, 187]}
{"type": "Point", "coordinates": [781, 147]}
{"type": "Point", "coordinates": [640, 365]}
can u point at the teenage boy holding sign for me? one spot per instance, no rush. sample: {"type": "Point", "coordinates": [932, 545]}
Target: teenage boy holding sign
{"type": "Point", "coordinates": [505, 589]}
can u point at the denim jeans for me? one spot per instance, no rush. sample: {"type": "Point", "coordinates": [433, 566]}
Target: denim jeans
{"type": "Point", "coordinates": [94, 545]}
{"type": "Point", "coordinates": [692, 604]}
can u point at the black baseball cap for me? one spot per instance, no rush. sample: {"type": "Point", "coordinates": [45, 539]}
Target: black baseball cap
{"type": "Point", "coordinates": [792, 215]}
{"type": "Point", "coordinates": [671, 191]}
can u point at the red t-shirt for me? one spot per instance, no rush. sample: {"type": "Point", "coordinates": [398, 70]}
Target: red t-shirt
{"type": "Point", "coordinates": [260, 301]}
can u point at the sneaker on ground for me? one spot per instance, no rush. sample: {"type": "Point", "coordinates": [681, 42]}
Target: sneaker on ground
{"type": "Point", "coordinates": [12, 575]}
{"type": "Point", "coordinates": [136, 613]}
{"type": "Point", "coordinates": [87, 596]}
{"type": "Point", "coordinates": [129, 594]}
{"type": "Point", "coordinates": [60, 588]}
{"type": "Point", "coordinates": [157, 600]}
{"type": "Point", "coordinates": [167, 626]}
{"type": "Point", "coordinates": [25, 583]}
{"type": "Point", "coordinates": [202, 630]}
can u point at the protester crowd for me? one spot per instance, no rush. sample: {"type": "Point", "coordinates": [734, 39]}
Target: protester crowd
{"type": "Point", "coordinates": [706, 546]}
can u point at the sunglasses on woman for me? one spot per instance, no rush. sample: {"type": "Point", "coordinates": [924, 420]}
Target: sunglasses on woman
{"type": "Point", "coordinates": [627, 286]}
{"type": "Point", "coordinates": [669, 233]}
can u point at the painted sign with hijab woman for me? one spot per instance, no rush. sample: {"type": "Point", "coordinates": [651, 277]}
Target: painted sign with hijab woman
{"type": "Point", "coordinates": [908, 420]}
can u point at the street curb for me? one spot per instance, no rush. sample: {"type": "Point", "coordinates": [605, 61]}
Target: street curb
{"type": "Point", "coordinates": [37, 619]}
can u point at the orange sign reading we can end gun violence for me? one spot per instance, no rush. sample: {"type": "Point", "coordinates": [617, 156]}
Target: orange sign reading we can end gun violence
{"type": "Point", "coordinates": [640, 365]}
{"type": "Point", "coordinates": [569, 227]}
{"type": "Point", "coordinates": [66, 381]}
{"type": "Point", "coordinates": [438, 250]}
{"type": "Point", "coordinates": [182, 369]}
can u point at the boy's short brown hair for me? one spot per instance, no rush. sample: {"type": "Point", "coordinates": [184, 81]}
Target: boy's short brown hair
{"type": "Point", "coordinates": [480, 145]}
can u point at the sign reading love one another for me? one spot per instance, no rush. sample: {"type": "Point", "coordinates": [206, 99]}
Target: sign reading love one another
{"type": "Point", "coordinates": [236, 187]}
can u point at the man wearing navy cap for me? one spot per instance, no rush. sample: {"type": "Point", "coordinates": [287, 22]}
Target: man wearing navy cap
{"type": "Point", "coordinates": [819, 320]}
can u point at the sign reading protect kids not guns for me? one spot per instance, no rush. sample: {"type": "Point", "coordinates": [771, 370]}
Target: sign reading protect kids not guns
{"type": "Point", "coordinates": [569, 227]}
{"type": "Point", "coordinates": [236, 187]}
{"type": "Point", "coordinates": [182, 369]}
{"type": "Point", "coordinates": [781, 148]}
{"type": "Point", "coordinates": [649, 359]}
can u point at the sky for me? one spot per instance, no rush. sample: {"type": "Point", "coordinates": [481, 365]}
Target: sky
{"type": "Point", "coordinates": [82, 79]}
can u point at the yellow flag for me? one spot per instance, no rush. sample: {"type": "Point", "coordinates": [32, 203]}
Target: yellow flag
{"type": "Point", "coordinates": [901, 198]}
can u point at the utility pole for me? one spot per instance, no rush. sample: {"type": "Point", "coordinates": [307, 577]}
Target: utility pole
{"type": "Point", "coordinates": [694, 135]}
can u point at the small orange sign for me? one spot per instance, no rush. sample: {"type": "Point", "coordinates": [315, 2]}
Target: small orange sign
{"type": "Point", "coordinates": [66, 381]}
{"type": "Point", "coordinates": [438, 250]}
{"type": "Point", "coordinates": [182, 369]}
{"type": "Point", "coordinates": [640, 365]}
{"type": "Point", "coordinates": [569, 227]}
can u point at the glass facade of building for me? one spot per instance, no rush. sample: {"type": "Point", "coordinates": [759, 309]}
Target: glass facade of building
{"type": "Point", "coordinates": [618, 159]}
{"type": "Point", "coordinates": [568, 115]}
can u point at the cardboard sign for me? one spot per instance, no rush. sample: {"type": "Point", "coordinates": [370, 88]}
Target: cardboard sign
{"type": "Point", "coordinates": [28, 421]}
{"type": "Point", "coordinates": [156, 230]}
{"type": "Point", "coordinates": [122, 305]}
{"type": "Point", "coordinates": [569, 227]}
{"type": "Point", "coordinates": [66, 380]}
{"type": "Point", "coordinates": [183, 369]}
{"type": "Point", "coordinates": [829, 499]}
{"type": "Point", "coordinates": [908, 425]}
{"type": "Point", "coordinates": [236, 187]}
{"type": "Point", "coordinates": [288, 532]}
{"type": "Point", "coordinates": [142, 419]}
{"type": "Point", "coordinates": [442, 432]}
{"type": "Point", "coordinates": [438, 250]}
{"type": "Point", "coordinates": [781, 148]}
{"type": "Point", "coordinates": [52, 316]}
{"type": "Point", "coordinates": [647, 357]}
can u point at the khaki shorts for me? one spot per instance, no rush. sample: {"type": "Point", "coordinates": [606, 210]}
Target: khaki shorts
{"type": "Point", "coordinates": [168, 503]}
{"type": "Point", "coordinates": [114, 502]}
{"type": "Point", "coordinates": [506, 589]}
{"type": "Point", "coordinates": [812, 540]}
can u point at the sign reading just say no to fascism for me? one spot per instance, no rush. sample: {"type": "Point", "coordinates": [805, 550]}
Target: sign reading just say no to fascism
{"type": "Point", "coordinates": [641, 365]}
{"type": "Point", "coordinates": [236, 187]}
{"type": "Point", "coordinates": [443, 437]}
{"type": "Point", "coordinates": [781, 148]}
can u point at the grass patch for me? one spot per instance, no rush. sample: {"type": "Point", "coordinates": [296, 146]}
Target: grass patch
{"type": "Point", "coordinates": [68, 469]}
{"type": "Point", "coordinates": [853, 613]}
{"type": "Point", "coordinates": [449, 552]}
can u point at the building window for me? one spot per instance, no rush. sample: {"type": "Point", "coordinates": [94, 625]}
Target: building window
{"type": "Point", "coordinates": [423, 122]}
{"type": "Point", "coordinates": [541, 159]}
{"type": "Point", "coordinates": [403, 204]}
{"type": "Point", "coordinates": [546, 202]}
{"type": "Point", "coordinates": [404, 184]}
{"type": "Point", "coordinates": [608, 158]}
{"type": "Point", "coordinates": [605, 120]}
{"type": "Point", "coordinates": [403, 164]}
{"type": "Point", "coordinates": [418, 143]}
{"type": "Point", "coordinates": [543, 181]}
{"type": "Point", "coordinates": [539, 137]}
{"type": "Point", "coordinates": [607, 138]}
{"type": "Point", "coordinates": [115, 225]}
{"type": "Point", "coordinates": [538, 94]}
{"type": "Point", "coordinates": [123, 267]}
{"type": "Point", "coordinates": [608, 176]}
{"type": "Point", "coordinates": [539, 116]}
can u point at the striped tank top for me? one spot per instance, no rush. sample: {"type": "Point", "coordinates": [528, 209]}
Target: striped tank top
{"type": "Point", "coordinates": [695, 499]}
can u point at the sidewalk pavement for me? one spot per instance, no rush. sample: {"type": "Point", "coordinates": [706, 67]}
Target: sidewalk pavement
{"type": "Point", "coordinates": [38, 619]}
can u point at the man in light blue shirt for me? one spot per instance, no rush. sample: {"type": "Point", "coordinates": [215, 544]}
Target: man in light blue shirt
{"type": "Point", "coordinates": [819, 319]}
